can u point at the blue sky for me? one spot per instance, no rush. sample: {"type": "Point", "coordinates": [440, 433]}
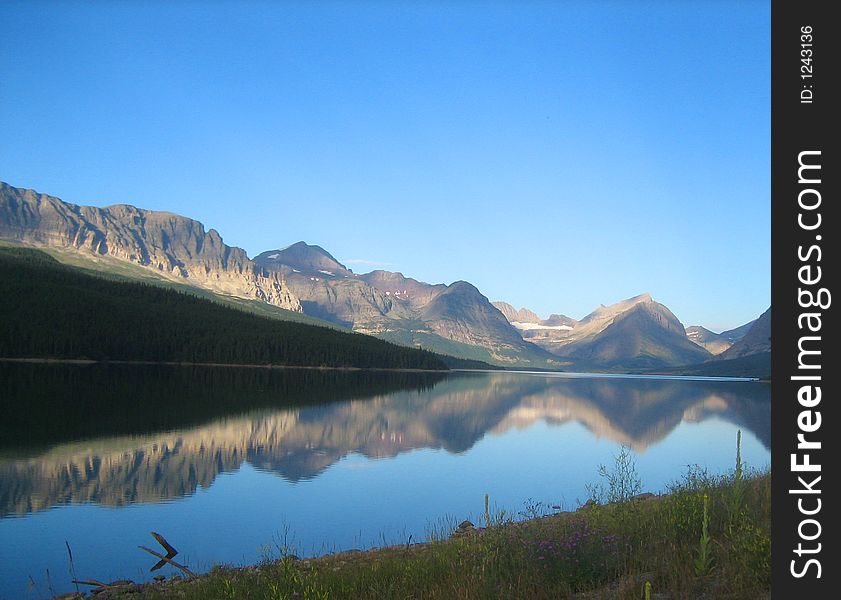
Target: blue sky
{"type": "Point", "coordinates": [558, 155]}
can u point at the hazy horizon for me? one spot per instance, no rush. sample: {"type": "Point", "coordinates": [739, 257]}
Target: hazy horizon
{"type": "Point", "coordinates": [557, 156]}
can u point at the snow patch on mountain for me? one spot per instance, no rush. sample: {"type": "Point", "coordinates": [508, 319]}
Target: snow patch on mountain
{"type": "Point", "coordinates": [530, 326]}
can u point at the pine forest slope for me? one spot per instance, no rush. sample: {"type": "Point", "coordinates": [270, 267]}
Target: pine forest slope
{"type": "Point", "coordinates": [114, 269]}
{"type": "Point", "coordinates": [49, 310]}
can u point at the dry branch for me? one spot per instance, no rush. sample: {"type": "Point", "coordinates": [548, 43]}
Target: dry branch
{"type": "Point", "coordinates": [184, 569]}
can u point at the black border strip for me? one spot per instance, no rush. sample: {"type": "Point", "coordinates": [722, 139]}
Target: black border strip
{"type": "Point", "coordinates": [802, 103]}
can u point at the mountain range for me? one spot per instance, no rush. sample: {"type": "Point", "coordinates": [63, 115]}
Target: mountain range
{"type": "Point", "coordinates": [304, 281]}
{"type": "Point", "coordinates": [393, 306]}
{"type": "Point", "coordinates": [640, 335]}
{"type": "Point", "coordinates": [717, 343]}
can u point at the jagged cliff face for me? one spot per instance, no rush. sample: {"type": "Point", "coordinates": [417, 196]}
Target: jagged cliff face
{"type": "Point", "coordinates": [513, 315]}
{"type": "Point", "coordinates": [635, 333]}
{"type": "Point", "coordinates": [172, 246]}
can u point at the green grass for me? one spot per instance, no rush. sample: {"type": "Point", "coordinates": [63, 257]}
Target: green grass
{"type": "Point", "coordinates": [621, 550]}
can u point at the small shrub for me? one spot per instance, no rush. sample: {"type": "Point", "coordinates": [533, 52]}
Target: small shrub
{"type": "Point", "coordinates": [620, 483]}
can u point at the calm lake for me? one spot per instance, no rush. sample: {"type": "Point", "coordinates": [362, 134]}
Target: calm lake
{"type": "Point", "coordinates": [231, 465]}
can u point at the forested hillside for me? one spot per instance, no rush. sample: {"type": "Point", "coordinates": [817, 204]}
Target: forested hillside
{"type": "Point", "coordinates": [49, 310]}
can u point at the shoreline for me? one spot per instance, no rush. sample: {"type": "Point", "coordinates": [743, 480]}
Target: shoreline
{"type": "Point", "coordinates": [85, 361]}
{"type": "Point", "coordinates": [597, 551]}
{"type": "Point", "coordinates": [563, 374]}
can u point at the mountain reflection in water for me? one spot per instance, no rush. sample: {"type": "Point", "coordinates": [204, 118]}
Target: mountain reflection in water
{"type": "Point", "coordinates": [121, 435]}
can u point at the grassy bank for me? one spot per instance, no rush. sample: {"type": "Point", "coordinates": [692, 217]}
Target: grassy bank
{"type": "Point", "coordinates": [707, 537]}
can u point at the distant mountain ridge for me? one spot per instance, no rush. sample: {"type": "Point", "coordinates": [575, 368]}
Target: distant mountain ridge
{"type": "Point", "coordinates": [542, 332]}
{"type": "Point", "coordinates": [737, 333]}
{"type": "Point", "coordinates": [390, 305]}
{"type": "Point", "coordinates": [713, 342]}
{"type": "Point", "coordinates": [513, 315]}
{"type": "Point", "coordinates": [757, 340]}
{"type": "Point", "coordinates": [633, 333]}
{"type": "Point", "coordinates": [749, 356]}
{"type": "Point", "coordinates": [526, 319]}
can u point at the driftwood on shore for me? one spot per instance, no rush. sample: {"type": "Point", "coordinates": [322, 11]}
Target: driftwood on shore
{"type": "Point", "coordinates": [166, 559]}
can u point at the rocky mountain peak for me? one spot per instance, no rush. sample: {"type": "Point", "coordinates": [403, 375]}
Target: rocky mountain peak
{"type": "Point", "coordinates": [556, 319]}
{"type": "Point", "coordinates": [607, 313]}
{"type": "Point", "coordinates": [523, 315]}
{"type": "Point", "coordinates": [388, 279]}
{"type": "Point", "coordinates": [463, 287]}
{"type": "Point", "coordinates": [302, 257]}
{"type": "Point", "coordinates": [527, 316]}
{"type": "Point", "coordinates": [508, 311]}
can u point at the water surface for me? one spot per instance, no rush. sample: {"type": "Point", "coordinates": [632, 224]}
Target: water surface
{"type": "Point", "coordinates": [231, 464]}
